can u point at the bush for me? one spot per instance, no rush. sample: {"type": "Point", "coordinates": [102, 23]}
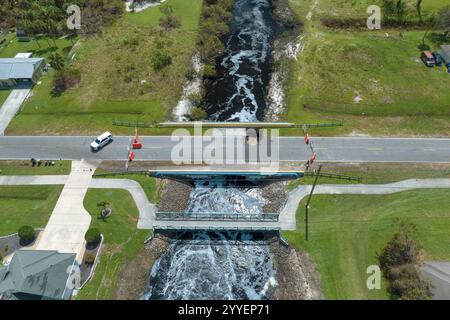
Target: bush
{"type": "Point", "coordinates": [209, 71]}
{"type": "Point", "coordinates": [89, 258]}
{"type": "Point", "coordinates": [92, 236]}
{"type": "Point", "coordinates": [26, 234]}
{"type": "Point", "coordinates": [64, 80]}
{"type": "Point", "coordinates": [400, 260]}
{"type": "Point", "coordinates": [195, 99]}
{"type": "Point", "coordinates": [160, 60]}
{"type": "Point", "coordinates": [169, 20]}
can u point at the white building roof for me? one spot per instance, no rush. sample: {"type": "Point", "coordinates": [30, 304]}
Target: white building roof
{"type": "Point", "coordinates": [18, 68]}
{"type": "Point", "coordinates": [24, 55]}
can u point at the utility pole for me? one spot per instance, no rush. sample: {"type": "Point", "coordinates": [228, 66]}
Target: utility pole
{"type": "Point", "coordinates": [309, 200]}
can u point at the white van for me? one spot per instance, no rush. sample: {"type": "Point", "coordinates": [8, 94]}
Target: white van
{"type": "Point", "coordinates": [101, 141]}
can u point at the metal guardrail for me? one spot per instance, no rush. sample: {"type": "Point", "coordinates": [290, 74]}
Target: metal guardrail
{"type": "Point", "coordinates": [186, 216]}
{"type": "Point", "coordinates": [213, 228]}
{"type": "Point", "coordinates": [135, 124]}
{"type": "Point", "coordinates": [206, 124]}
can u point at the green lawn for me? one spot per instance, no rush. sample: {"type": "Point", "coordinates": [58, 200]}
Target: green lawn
{"type": "Point", "coordinates": [118, 81]}
{"type": "Point", "coordinates": [347, 231]}
{"type": "Point", "coordinates": [344, 9]}
{"type": "Point", "coordinates": [24, 168]}
{"type": "Point", "coordinates": [123, 240]}
{"type": "Point", "coordinates": [26, 205]}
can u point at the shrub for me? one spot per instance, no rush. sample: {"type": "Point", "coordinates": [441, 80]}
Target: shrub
{"type": "Point", "coordinates": [92, 236]}
{"type": "Point", "coordinates": [26, 234]}
{"type": "Point", "coordinates": [197, 114]}
{"type": "Point", "coordinates": [89, 258]}
{"type": "Point", "coordinates": [209, 71]}
{"type": "Point", "coordinates": [160, 60]}
{"type": "Point", "coordinates": [211, 47]}
{"type": "Point", "coordinates": [64, 80]}
{"type": "Point", "coordinates": [195, 99]}
{"type": "Point", "coordinates": [169, 20]}
{"type": "Point", "coordinates": [191, 74]}
{"type": "Point", "coordinates": [57, 61]}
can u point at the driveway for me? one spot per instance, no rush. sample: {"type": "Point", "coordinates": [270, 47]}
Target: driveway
{"type": "Point", "coordinates": [11, 106]}
{"type": "Point", "coordinates": [438, 272]}
{"type": "Point", "coordinates": [69, 221]}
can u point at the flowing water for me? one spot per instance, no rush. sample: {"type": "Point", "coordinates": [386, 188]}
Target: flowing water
{"type": "Point", "coordinates": [226, 265]}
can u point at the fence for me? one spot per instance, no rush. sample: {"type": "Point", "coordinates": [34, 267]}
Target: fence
{"type": "Point", "coordinates": [186, 216]}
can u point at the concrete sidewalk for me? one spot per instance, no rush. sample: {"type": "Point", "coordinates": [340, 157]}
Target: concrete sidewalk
{"type": "Point", "coordinates": [69, 221]}
{"type": "Point", "coordinates": [11, 106]}
{"type": "Point", "coordinates": [438, 272]}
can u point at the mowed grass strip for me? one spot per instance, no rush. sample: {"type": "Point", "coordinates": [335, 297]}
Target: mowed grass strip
{"type": "Point", "coordinates": [122, 243]}
{"type": "Point", "coordinates": [24, 168]}
{"type": "Point", "coordinates": [347, 232]}
{"type": "Point", "coordinates": [118, 81]}
{"type": "Point", "coordinates": [26, 205]}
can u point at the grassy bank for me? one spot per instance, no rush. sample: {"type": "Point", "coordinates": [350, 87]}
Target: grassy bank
{"type": "Point", "coordinates": [118, 80]}
{"type": "Point", "coordinates": [398, 94]}
{"type": "Point", "coordinates": [26, 205]}
{"type": "Point", "coordinates": [347, 231]}
{"type": "Point", "coordinates": [122, 243]}
{"type": "Point", "coordinates": [24, 168]}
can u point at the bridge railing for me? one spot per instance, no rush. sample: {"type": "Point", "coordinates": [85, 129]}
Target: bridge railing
{"type": "Point", "coordinates": [186, 216]}
{"type": "Point", "coordinates": [214, 228]}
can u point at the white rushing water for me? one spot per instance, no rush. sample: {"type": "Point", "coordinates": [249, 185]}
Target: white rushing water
{"type": "Point", "coordinates": [225, 265]}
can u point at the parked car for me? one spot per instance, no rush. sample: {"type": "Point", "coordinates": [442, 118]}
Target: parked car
{"type": "Point", "coordinates": [101, 141]}
{"type": "Point", "coordinates": [437, 59]}
{"type": "Point", "coordinates": [427, 58]}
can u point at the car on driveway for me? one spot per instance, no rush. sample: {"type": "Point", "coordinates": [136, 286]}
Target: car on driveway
{"type": "Point", "coordinates": [437, 59]}
{"type": "Point", "coordinates": [101, 141]}
{"type": "Point", "coordinates": [427, 58]}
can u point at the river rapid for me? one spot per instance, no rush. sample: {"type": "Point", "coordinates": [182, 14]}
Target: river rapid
{"type": "Point", "coordinates": [227, 265]}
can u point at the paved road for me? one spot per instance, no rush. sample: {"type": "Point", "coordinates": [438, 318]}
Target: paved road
{"type": "Point", "coordinates": [146, 209]}
{"type": "Point", "coordinates": [438, 272]}
{"type": "Point", "coordinates": [291, 149]}
{"type": "Point", "coordinates": [11, 106]}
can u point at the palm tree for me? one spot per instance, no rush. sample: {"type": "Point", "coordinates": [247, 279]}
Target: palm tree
{"type": "Point", "coordinates": [419, 9]}
{"type": "Point", "coordinates": [56, 61]}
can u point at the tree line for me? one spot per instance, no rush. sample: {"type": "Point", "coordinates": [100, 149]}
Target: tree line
{"type": "Point", "coordinates": [48, 18]}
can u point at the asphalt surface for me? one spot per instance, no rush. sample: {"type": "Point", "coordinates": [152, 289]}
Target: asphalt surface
{"type": "Point", "coordinates": [344, 149]}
